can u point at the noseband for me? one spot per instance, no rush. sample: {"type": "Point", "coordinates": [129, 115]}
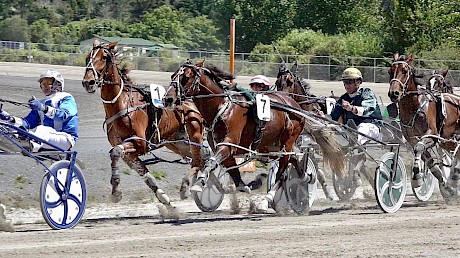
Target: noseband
{"type": "Point", "coordinates": [182, 91]}
{"type": "Point", "coordinates": [403, 84]}
{"type": "Point", "coordinates": [99, 76]}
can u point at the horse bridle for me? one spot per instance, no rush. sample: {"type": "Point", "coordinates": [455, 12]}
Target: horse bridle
{"type": "Point", "coordinates": [404, 84]}
{"type": "Point", "coordinates": [181, 91]}
{"type": "Point", "coordinates": [434, 75]}
{"type": "Point", "coordinates": [99, 76]}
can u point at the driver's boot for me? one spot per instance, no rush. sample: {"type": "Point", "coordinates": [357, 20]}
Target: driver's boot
{"type": "Point", "coordinates": [260, 127]}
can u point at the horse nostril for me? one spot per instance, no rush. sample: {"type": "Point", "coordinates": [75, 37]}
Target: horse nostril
{"type": "Point", "coordinates": [91, 82]}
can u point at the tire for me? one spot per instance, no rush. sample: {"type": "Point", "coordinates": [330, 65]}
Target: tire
{"type": "Point", "coordinates": [300, 195]}
{"type": "Point", "coordinates": [344, 186]}
{"type": "Point", "coordinates": [425, 191]}
{"type": "Point", "coordinates": [211, 197]}
{"type": "Point", "coordinates": [63, 195]}
{"type": "Point", "coordinates": [390, 192]}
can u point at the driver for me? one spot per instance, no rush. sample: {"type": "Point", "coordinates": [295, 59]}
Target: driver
{"type": "Point", "coordinates": [53, 118]}
{"type": "Point", "coordinates": [358, 107]}
{"type": "Point", "coordinates": [259, 83]}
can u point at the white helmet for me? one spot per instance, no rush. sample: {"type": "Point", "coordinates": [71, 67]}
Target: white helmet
{"type": "Point", "coordinates": [58, 83]}
{"type": "Point", "coordinates": [260, 79]}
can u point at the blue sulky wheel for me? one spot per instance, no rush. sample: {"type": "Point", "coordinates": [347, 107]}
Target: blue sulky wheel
{"type": "Point", "coordinates": [63, 195]}
{"type": "Point", "coordinates": [425, 191]}
{"type": "Point", "coordinates": [390, 188]}
{"type": "Point", "coordinates": [211, 197]}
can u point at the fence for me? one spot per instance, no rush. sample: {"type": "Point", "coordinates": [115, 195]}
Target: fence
{"type": "Point", "coordinates": [310, 67]}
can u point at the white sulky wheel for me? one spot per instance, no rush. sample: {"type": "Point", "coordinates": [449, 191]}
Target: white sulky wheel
{"type": "Point", "coordinates": [425, 191]}
{"type": "Point", "coordinates": [63, 195]}
{"type": "Point", "coordinates": [344, 186]}
{"type": "Point", "coordinates": [390, 191]}
{"type": "Point", "coordinates": [211, 197]}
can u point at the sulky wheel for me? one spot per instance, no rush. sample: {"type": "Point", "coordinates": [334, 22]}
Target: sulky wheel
{"type": "Point", "coordinates": [63, 195]}
{"type": "Point", "coordinates": [425, 191]}
{"type": "Point", "coordinates": [212, 195]}
{"type": "Point", "coordinates": [390, 188]}
{"type": "Point", "coordinates": [300, 194]}
{"type": "Point", "coordinates": [345, 186]}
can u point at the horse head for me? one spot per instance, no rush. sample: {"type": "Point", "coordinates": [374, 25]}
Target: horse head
{"type": "Point", "coordinates": [97, 64]}
{"type": "Point", "coordinates": [402, 77]}
{"type": "Point", "coordinates": [437, 82]}
{"type": "Point", "coordinates": [285, 79]}
{"type": "Point", "coordinates": [193, 79]}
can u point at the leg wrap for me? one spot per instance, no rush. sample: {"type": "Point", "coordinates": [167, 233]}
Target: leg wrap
{"type": "Point", "coordinates": [150, 181]}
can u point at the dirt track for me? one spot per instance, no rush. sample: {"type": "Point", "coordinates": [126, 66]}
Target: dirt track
{"type": "Point", "coordinates": [134, 228]}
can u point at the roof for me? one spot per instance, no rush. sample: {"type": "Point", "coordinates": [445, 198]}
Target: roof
{"type": "Point", "coordinates": [127, 41]}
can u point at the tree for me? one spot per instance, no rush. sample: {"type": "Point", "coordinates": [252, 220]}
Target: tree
{"type": "Point", "coordinates": [262, 21]}
{"type": "Point", "coordinates": [14, 29]}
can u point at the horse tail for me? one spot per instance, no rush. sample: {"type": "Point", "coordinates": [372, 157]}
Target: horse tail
{"type": "Point", "coordinates": [330, 148]}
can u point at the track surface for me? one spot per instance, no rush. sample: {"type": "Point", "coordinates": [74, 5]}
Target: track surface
{"type": "Point", "coordinates": [134, 228]}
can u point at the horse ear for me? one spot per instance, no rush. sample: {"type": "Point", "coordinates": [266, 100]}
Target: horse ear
{"type": "Point", "coordinates": [410, 58]}
{"type": "Point", "coordinates": [200, 63]}
{"type": "Point", "coordinates": [113, 44]}
{"type": "Point", "coordinates": [96, 43]}
{"type": "Point", "coordinates": [444, 73]}
{"type": "Point", "coordinates": [395, 56]}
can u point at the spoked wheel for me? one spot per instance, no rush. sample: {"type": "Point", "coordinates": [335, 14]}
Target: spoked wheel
{"type": "Point", "coordinates": [390, 188]}
{"type": "Point", "coordinates": [345, 186]}
{"type": "Point", "coordinates": [425, 191]}
{"type": "Point", "coordinates": [63, 195]}
{"type": "Point", "coordinates": [300, 195]}
{"type": "Point", "coordinates": [212, 195]}
{"type": "Point", "coordinates": [280, 203]}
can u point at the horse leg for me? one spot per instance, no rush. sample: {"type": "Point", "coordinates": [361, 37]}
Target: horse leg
{"type": "Point", "coordinates": [322, 180]}
{"type": "Point", "coordinates": [116, 153]}
{"type": "Point", "coordinates": [195, 134]}
{"type": "Point", "coordinates": [421, 149]}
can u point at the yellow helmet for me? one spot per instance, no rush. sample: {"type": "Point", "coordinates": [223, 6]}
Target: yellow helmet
{"type": "Point", "coordinates": [352, 73]}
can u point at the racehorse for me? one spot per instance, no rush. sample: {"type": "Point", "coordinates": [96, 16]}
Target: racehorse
{"type": "Point", "coordinates": [231, 119]}
{"type": "Point", "coordinates": [133, 122]}
{"type": "Point", "coordinates": [299, 90]}
{"type": "Point", "coordinates": [288, 81]}
{"type": "Point", "coordinates": [438, 82]}
{"type": "Point", "coordinates": [420, 116]}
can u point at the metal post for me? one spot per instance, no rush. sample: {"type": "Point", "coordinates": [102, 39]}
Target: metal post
{"type": "Point", "coordinates": [232, 46]}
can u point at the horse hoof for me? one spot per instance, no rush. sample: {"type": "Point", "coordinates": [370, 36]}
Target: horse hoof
{"type": "Point", "coordinates": [262, 207]}
{"type": "Point", "coordinates": [162, 197]}
{"type": "Point", "coordinates": [184, 195]}
{"type": "Point", "coordinates": [327, 193]}
{"type": "Point", "coordinates": [116, 197]}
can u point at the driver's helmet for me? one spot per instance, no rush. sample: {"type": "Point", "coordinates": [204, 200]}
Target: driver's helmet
{"type": "Point", "coordinates": [58, 84]}
{"type": "Point", "coordinates": [352, 73]}
{"type": "Point", "coordinates": [260, 79]}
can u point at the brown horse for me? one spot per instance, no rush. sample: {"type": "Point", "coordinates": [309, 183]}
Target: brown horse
{"type": "Point", "coordinates": [134, 125]}
{"type": "Point", "coordinates": [299, 90]}
{"type": "Point", "coordinates": [419, 116]}
{"type": "Point", "coordinates": [231, 119]}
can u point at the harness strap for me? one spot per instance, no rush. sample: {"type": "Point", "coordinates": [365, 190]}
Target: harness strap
{"type": "Point", "coordinates": [124, 112]}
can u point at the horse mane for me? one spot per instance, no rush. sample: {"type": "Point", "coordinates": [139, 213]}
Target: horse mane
{"type": "Point", "coordinates": [218, 74]}
{"type": "Point", "coordinates": [124, 71]}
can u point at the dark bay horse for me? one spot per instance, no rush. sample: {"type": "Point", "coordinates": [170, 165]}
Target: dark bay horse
{"type": "Point", "coordinates": [438, 82]}
{"type": "Point", "coordinates": [132, 120]}
{"type": "Point", "coordinates": [288, 81]}
{"type": "Point", "coordinates": [420, 116]}
{"type": "Point", "coordinates": [229, 116]}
